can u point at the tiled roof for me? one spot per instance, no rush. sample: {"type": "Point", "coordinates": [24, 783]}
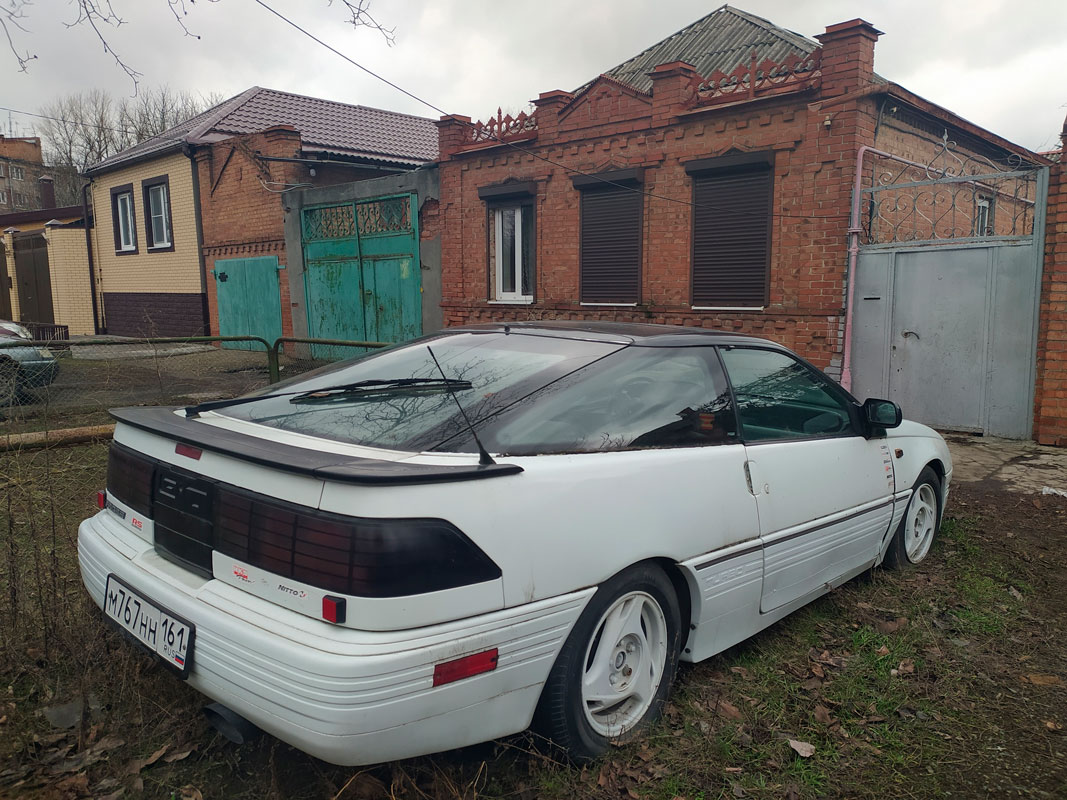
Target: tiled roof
{"type": "Point", "coordinates": [325, 127]}
{"type": "Point", "coordinates": [723, 39]}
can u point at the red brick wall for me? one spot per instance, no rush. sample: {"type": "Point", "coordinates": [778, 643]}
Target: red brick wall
{"type": "Point", "coordinates": [610, 127]}
{"type": "Point", "coordinates": [1050, 405]}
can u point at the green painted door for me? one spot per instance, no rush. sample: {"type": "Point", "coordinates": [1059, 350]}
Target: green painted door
{"type": "Point", "coordinates": [361, 271]}
{"type": "Point", "coordinates": [249, 300]}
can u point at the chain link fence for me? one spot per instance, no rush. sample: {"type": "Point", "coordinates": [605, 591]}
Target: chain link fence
{"type": "Point", "coordinates": [53, 385]}
{"type": "Point", "coordinates": [54, 436]}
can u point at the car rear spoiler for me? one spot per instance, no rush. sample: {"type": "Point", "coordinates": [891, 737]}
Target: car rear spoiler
{"type": "Point", "coordinates": [327, 466]}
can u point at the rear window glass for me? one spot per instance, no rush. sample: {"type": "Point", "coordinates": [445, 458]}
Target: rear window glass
{"type": "Point", "coordinates": [500, 368]}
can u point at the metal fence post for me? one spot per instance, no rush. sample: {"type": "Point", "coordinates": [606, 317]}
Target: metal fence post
{"type": "Point", "coordinates": [272, 362]}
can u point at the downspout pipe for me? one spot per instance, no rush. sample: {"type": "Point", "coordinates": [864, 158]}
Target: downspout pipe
{"type": "Point", "coordinates": [97, 329]}
{"type": "Point", "coordinates": [854, 231]}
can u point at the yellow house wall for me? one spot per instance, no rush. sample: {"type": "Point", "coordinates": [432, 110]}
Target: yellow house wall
{"type": "Point", "coordinates": [177, 271]}
{"type": "Point", "coordinates": [9, 257]}
{"type": "Point", "coordinates": [68, 266]}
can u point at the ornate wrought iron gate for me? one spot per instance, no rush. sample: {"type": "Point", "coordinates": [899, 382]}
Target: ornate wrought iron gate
{"type": "Point", "coordinates": [361, 269]}
{"type": "Point", "coordinates": [945, 305]}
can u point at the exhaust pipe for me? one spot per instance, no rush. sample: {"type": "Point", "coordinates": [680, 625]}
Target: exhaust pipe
{"type": "Point", "coordinates": [230, 724]}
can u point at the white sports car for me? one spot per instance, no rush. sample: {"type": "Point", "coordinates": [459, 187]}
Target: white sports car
{"type": "Point", "coordinates": [448, 540]}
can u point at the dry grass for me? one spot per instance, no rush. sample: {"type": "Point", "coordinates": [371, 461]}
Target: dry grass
{"type": "Point", "coordinates": [918, 684]}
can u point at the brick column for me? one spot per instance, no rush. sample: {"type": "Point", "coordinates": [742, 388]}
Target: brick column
{"type": "Point", "coordinates": [670, 89]}
{"type": "Point", "coordinates": [451, 131]}
{"type": "Point", "coordinates": [548, 105]}
{"type": "Point", "coordinates": [1050, 394]}
{"type": "Point", "coordinates": [847, 56]}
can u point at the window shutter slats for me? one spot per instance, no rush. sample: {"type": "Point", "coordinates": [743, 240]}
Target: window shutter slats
{"type": "Point", "coordinates": [731, 237]}
{"type": "Point", "coordinates": [611, 246]}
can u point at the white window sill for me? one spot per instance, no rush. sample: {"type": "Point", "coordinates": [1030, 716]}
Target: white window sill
{"type": "Point", "coordinates": [610, 305]}
{"type": "Point", "coordinates": [727, 308]}
{"type": "Point", "coordinates": [161, 246]}
{"type": "Point", "coordinates": [523, 301]}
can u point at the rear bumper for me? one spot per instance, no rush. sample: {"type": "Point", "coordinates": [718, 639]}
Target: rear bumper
{"type": "Point", "coordinates": [346, 696]}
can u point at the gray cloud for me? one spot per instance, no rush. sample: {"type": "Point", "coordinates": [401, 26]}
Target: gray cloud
{"type": "Point", "coordinates": [993, 62]}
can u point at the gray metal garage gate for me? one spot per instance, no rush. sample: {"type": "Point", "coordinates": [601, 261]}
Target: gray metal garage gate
{"type": "Point", "coordinates": [947, 288]}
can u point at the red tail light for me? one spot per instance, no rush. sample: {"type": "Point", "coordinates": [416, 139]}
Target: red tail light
{"type": "Point", "coordinates": [465, 667]}
{"type": "Point", "coordinates": [101, 499]}
{"type": "Point", "coordinates": [333, 609]}
{"type": "Point", "coordinates": [129, 478]}
{"type": "Point", "coordinates": [347, 555]}
{"type": "Point", "coordinates": [188, 451]}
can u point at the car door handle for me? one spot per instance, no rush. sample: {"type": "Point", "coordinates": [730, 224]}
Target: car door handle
{"type": "Point", "coordinates": [756, 486]}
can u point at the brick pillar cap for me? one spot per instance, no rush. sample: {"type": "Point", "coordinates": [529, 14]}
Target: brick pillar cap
{"type": "Point", "coordinates": [672, 68]}
{"type": "Point", "coordinates": [556, 95]}
{"type": "Point", "coordinates": [851, 28]}
{"type": "Point", "coordinates": [448, 119]}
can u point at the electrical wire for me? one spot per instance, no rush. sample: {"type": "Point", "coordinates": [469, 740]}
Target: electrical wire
{"type": "Point", "coordinates": [66, 121]}
{"type": "Point", "coordinates": [523, 150]}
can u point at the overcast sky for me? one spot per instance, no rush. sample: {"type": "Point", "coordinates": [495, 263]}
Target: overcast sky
{"type": "Point", "coordinates": [997, 63]}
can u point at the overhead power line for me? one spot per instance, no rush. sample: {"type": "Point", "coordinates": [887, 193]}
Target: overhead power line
{"type": "Point", "coordinates": [93, 125]}
{"type": "Point", "coordinates": [518, 148]}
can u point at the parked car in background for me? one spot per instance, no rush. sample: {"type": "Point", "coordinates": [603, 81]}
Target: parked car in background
{"type": "Point", "coordinates": [448, 540]}
{"type": "Point", "coordinates": [22, 367]}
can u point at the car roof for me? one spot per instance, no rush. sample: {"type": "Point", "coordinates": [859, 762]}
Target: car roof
{"type": "Point", "coordinates": [640, 334]}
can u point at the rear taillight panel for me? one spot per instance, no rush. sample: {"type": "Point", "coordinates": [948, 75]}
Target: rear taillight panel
{"type": "Point", "coordinates": [348, 555]}
{"type": "Point", "coordinates": [341, 554]}
{"type": "Point", "coordinates": [130, 477]}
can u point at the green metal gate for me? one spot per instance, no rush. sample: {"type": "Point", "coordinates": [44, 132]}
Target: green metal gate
{"type": "Point", "coordinates": [249, 299]}
{"type": "Point", "coordinates": [361, 270]}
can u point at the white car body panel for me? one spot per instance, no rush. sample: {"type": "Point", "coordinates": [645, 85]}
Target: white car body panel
{"type": "Point", "coordinates": [815, 513]}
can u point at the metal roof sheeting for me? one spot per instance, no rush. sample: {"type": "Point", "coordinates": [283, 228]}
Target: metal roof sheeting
{"type": "Point", "coordinates": [325, 126]}
{"type": "Point", "coordinates": [720, 41]}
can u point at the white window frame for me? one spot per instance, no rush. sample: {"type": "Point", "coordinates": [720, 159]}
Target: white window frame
{"type": "Point", "coordinates": [983, 213]}
{"type": "Point", "coordinates": [3, 197]}
{"type": "Point", "coordinates": [162, 213]}
{"type": "Point", "coordinates": [498, 221]}
{"type": "Point", "coordinates": [127, 234]}
{"type": "Point", "coordinates": [17, 173]}
{"type": "Point", "coordinates": [1, 169]}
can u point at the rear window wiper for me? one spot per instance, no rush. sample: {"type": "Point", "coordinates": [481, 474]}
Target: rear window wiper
{"type": "Point", "coordinates": [375, 386]}
{"type": "Point", "coordinates": [357, 387]}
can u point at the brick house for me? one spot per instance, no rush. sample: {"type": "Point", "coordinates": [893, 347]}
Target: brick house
{"type": "Point", "coordinates": [213, 188]}
{"type": "Point", "coordinates": [709, 181]}
{"type": "Point", "coordinates": [25, 184]}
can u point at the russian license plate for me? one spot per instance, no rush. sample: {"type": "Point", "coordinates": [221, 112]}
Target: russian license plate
{"type": "Point", "coordinates": [168, 636]}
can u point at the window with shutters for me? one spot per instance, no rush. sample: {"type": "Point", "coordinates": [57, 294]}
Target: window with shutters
{"type": "Point", "coordinates": [612, 206]}
{"type": "Point", "coordinates": [731, 231]}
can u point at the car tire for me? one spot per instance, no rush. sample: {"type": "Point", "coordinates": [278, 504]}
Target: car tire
{"type": "Point", "coordinates": [598, 694]}
{"type": "Point", "coordinates": [918, 529]}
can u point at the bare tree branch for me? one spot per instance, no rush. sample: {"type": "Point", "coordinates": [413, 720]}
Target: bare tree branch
{"type": "Point", "coordinates": [360, 17]}
{"type": "Point", "coordinates": [11, 12]}
{"type": "Point", "coordinates": [97, 13]}
{"type": "Point", "coordinates": [100, 15]}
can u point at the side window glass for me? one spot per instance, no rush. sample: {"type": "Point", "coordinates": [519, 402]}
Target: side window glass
{"type": "Point", "coordinates": [637, 398]}
{"type": "Point", "coordinates": [780, 398]}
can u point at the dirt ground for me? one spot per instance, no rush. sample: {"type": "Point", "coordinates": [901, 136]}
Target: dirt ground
{"type": "Point", "coordinates": [945, 681]}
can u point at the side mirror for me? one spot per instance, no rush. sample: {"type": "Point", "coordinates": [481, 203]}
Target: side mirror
{"type": "Point", "coordinates": [882, 413]}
